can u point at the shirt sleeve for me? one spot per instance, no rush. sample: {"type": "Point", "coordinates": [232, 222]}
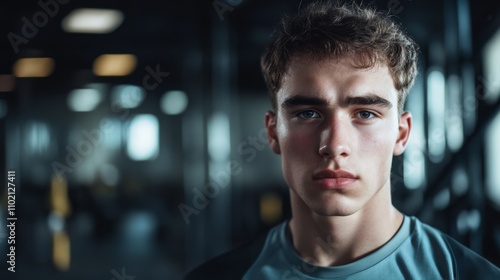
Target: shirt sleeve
{"type": "Point", "coordinates": [470, 265]}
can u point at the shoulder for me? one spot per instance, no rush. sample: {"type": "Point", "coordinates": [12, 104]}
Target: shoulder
{"type": "Point", "coordinates": [470, 265]}
{"type": "Point", "coordinates": [466, 263]}
{"type": "Point", "coordinates": [230, 265]}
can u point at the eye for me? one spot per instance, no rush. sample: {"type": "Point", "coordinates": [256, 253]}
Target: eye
{"type": "Point", "coordinates": [309, 114]}
{"type": "Point", "coordinates": [365, 115]}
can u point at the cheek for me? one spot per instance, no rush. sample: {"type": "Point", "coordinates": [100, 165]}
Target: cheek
{"type": "Point", "coordinates": [377, 145]}
{"type": "Point", "coordinates": [295, 140]}
{"type": "Point", "coordinates": [297, 153]}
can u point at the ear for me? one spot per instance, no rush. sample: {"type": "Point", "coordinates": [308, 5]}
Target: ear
{"type": "Point", "coordinates": [403, 133]}
{"type": "Point", "coordinates": [272, 136]}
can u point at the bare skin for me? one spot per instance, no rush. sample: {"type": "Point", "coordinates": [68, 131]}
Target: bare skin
{"type": "Point", "coordinates": [337, 128]}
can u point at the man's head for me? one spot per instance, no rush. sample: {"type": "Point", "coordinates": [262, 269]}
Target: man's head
{"type": "Point", "coordinates": [337, 90]}
{"type": "Point", "coordinates": [332, 29]}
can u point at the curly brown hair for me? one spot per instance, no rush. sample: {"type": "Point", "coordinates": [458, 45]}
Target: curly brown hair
{"type": "Point", "coordinates": [332, 29]}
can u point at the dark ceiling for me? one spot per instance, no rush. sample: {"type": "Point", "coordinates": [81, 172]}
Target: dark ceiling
{"type": "Point", "coordinates": [166, 31]}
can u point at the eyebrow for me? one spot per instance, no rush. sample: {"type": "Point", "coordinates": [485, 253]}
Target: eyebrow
{"type": "Point", "coordinates": [369, 99]}
{"type": "Point", "coordinates": [300, 100]}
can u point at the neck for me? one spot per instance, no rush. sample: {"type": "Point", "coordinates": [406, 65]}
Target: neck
{"type": "Point", "coordinates": [338, 240]}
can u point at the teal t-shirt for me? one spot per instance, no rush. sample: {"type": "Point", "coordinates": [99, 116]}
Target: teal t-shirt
{"type": "Point", "coordinates": [417, 251]}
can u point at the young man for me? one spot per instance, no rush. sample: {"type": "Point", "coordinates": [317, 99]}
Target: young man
{"type": "Point", "coordinates": [338, 77]}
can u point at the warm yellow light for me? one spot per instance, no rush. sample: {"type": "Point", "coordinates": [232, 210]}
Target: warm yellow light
{"type": "Point", "coordinates": [61, 250]}
{"type": "Point", "coordinates": [33, 67]}
{"type": "Point", "coordinates": [270, 208]}
{"type": "Point", "coordinates": [59, 200]}
{"type": "Point", "coordinates": [114, 64]}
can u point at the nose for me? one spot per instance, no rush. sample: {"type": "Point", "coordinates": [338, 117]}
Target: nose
{"type": "Point", "coordinates": [336, 139]}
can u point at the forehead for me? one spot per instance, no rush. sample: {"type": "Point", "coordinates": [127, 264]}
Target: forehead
{"type": "Point", "coordinates": [336, 76]}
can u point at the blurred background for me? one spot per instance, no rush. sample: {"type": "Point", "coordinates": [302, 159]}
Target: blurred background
{"type": "Point", "coordinates": [135, 130]}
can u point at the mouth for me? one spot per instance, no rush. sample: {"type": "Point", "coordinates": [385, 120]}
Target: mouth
{"type": "Point", "coordinates": [334, 179]}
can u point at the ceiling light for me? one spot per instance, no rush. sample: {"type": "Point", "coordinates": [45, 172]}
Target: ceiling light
{"type": "Point", "coordinates": [174, 102]}
{"type": "Point", "coordinates": [114, 64]}
{"type": "Point", "coordinates": [84, 100]}
{"type": "Point", "coordinates": [92, 21]}
{"type": "Point", "coordinates": [33, 67]}
{"type": "Point", "coordinates": [143, 138]}
{"type": "Point", "coordinates": [127, 96]}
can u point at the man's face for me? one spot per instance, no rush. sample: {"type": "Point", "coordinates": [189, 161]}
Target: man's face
{"type": "Point", "coordinates": [337, 128]}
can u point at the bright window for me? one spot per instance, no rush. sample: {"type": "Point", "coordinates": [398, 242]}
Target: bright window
{"type": "Point", "coordinates": [143, 138]}
{"type": "Point", "coordinates": [491, 57]}
{"type": "Point", "coordinates": [493, 161]}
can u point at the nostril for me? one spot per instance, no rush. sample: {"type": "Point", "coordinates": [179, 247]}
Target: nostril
{"type": "Point", "coordinates": [333, 152]}
{"type": "Point", "coordinates": [324, 151]}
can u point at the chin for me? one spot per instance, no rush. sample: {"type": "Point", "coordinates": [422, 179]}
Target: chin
{"type": "Point", "coordinates": [334, 212]}
{"type": "Point", "coordinates": [335, 209]}
{"type": "Point", "coordinates": [326, 203]}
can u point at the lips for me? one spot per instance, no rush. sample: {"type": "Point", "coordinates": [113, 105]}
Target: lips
{"type": "Point", "coordinates": [334, 179]}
